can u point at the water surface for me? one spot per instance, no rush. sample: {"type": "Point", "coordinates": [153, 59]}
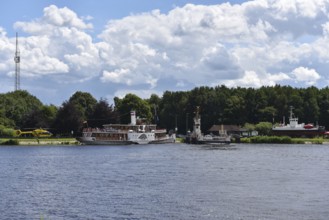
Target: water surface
{"type": "Point", "coordinates": [174, 181]}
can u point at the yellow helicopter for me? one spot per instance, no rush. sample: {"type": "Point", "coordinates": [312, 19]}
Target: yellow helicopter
{"type": "Point", "coordinates": [38, 133]}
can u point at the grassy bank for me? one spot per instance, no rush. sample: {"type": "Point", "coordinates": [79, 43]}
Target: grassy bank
{"type": "Point", "coordinates": [283, 140]}
{"type": "Point", "coordinates": [40, 141]}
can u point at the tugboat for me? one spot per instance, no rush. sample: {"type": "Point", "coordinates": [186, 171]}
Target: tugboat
{"type": "Point", "coordinates": [196, 137]}
{"type": "Point", "coordinates": [293, 129]}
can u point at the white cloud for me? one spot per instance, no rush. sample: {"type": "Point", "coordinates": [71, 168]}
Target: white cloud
{"type": "Point", "coordinates": [309, 76]}
{"type": "Point", "coordinates": [182, 44]}
{"type": "Point", "coordinates": [252, 79]}
{"type": "Point", "coordinates": [254, 43]}
{"type": "Point", "coordinates": [59, 45]}
{"type": "Point", "coordinates": [54, 19]}
{"type": "Point", "coordinates": [277, 78]}
{"type": "Point", "coordinates": [117, 76]}
{"type": "Point", "coordinates": [216, 43]}
{"type": "Point", "coordinates": [301, 8]}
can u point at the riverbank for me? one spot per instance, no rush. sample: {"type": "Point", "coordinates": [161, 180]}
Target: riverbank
{"type": "Point", "coordinates": [283, 140]}
{"type": "Point", "coordinates": [40, 141]}
{"type": "Point", "coordinates": [252, 140]}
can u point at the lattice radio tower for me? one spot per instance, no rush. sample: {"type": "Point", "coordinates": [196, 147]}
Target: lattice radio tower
{"type": "Point", "coordinates": [17, 66]}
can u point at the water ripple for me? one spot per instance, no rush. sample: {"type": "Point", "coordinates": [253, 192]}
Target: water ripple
{"type": "Point", "coordinates": [165, 182]}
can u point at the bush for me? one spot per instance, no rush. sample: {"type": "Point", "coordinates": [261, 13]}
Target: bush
{"type": "Point", "coordinates": [271, 139]}
{"type": "Point", "coordinates": [6, 132]}
{"type": "Point", "coordinates": [264, 128]}
{"type": "Point", "coordinates": [280, 140]}
{"type": "Point", "coordinates": [10, 142]}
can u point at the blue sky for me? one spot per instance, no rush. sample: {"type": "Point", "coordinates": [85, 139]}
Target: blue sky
{"type": "Point", "coordinates": [101, 10]}
{"type": "Point", "coordinates": [111, 48]}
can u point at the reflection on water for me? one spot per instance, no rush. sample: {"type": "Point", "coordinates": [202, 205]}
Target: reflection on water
{"type": "Point", "coordinates": [217, 147]}
{"type": "Point", "coordinates": [174, 181]}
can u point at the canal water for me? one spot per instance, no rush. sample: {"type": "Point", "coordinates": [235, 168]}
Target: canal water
{"type": "Point", "coordinates": [172, 181]}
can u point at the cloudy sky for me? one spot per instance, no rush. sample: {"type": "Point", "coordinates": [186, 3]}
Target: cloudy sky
{"type": "Point", "coordinates": [111, 48]}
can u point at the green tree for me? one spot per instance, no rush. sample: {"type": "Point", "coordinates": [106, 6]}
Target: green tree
{"type": "Point", "coordinates": [235, 110]}
{"type": "Point", "coordinates": [173, 110]}
{"type": "Point", "coordinates": [311, 107]}
{"type": "Point", "coordinates": [324, 107]}
{"type": "Point", "coordinates": [73, 113]}
{"type": "Point", "coordinates": [132, 102]}
{"type": "Point", "coordinates": [6, 132]}
{"type": "Point", "coordinates": [17, 106]}
{"type": "Point", "coordinates": [70, 118]}
{"type": "Point", "coordinates": [85, 102]}
{"type": "Point", "coordinates": [249, 127]}
{"type": "Point", "coordinates": [4, 121]}
{"type": "Point", "coordinates": [154, 101]}
{"type": "Point", "coordinates": [251, 105]}
{"type": "Point", "coordinates": [43, 117]}
{"type": "Point", "coordinates": [264, 128]}
{"type": "Point", "coordinates": [267, 114]}
{"type": "Point", "coordinates": [103, 114]}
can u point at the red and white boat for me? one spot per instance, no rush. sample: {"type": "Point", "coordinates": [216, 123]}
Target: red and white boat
{"type": "Point", "coordinates": [294, 129]}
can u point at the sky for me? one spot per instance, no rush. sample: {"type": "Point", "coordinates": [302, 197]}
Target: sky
{"type": "Point", "coordinates": [111, 48]}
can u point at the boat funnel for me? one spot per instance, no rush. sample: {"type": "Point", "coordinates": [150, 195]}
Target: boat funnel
{"type": "Point", "coordinates": [133, 118]}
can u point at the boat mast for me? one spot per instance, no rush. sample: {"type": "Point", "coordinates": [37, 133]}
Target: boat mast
{"type": "Point", "coordinates": [17, 66]}
{"type": "Point", "coordinates": [291, 113]}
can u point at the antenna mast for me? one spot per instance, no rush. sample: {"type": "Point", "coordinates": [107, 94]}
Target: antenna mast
{"type": "Point", "coordinates": [17, 66]}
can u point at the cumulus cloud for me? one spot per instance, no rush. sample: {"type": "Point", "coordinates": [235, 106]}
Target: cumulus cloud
{"type": "Point", "coordinates": [53, 17]}
{"type": "Point", "coordinates": [58, 45]}
{"type": "Point", "coordinates": [183, 44]}
{"type": "Point", "coordinates": [218, 43]}
{"type": "Point", "coordinates": [117, 76]}
{"type": "Point", "coordinates": [309, 76]}
{"type": "Point", "coordinates": [252, 79]}
{"type": "Point", "coordinates": [255, 43]}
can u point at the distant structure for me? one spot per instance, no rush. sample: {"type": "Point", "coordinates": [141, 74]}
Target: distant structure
{"type": "Point", "coordinates": [17, 66]}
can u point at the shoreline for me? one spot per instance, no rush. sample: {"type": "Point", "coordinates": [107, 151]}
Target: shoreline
{"type": "Point", "coordinates": [74, 142]}
{"type": "Point", "coordinates": [38, 142]}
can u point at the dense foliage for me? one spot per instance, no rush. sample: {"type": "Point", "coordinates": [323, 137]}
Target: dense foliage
{"type": "Point", "coordinates": [132, 102]}
{"type": "Point", "coordinates": [20, 110]}
{"type": "Point", "coordinates": [255, 108]}
{"type": "Point", "coordinates": [244, 105]}
{"type": "Point", "coordinates": [83, 110]}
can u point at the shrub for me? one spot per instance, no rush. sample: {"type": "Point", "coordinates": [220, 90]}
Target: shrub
{"type": "Point", "coordinates": [271, 139]}
{"type": "Point", "coordinates": [10, 142]}
{"type": "Point", "coordinates": [6, 132]}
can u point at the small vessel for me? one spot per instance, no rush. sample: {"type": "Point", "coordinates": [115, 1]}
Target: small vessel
{"type": "Point", "coordinates": [294, 129]}
{"type": "Point", "coordinates": [126, 134]}
{"type": "Point", "coordinates": [196, 137]}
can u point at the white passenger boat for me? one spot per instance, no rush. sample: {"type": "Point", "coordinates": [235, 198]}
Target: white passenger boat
{"type": "Point", "coordinates": [125, 134]}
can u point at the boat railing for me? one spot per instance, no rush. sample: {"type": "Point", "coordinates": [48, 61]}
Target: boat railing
{"type": "Point", "coordinates": [103, 130]}
{"type": "Point", "coordinates": [160, 131]}
{"type": "Point", "coordinates": [93, 130]}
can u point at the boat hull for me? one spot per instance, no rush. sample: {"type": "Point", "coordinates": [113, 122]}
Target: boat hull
{"type": "Point", "coordinates": [294, 129]}
{"type": "Point", "coordinates": [163, 141]}
{"type": "Point", "coordinates": [126, 134]}
{"type": "Point", "coordinates": [298, 132]}
{"type": "Point", "coordinates": [93, 141]}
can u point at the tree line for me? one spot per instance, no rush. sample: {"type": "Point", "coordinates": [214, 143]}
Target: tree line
{"type": "Point", "coordinates": [174, 110]}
